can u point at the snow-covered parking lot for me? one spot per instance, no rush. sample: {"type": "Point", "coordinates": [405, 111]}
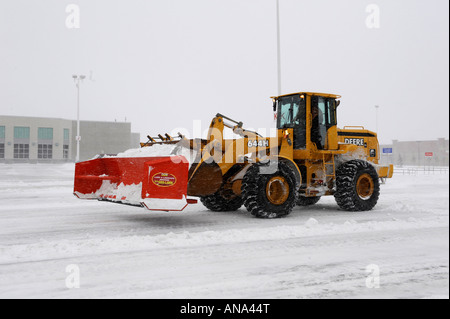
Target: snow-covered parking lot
{"type": "Point", "coordinates": [47, 236]}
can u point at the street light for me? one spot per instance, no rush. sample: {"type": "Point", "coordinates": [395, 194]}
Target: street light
{"type": "Point", "coordinates": [78, 79]}
{"type": "Point", "coordinates": [278, 49]}
{"type": "Point", "coordinates": [376, 117]}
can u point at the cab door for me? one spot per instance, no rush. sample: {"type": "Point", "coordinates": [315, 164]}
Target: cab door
{"type": "Point", "coordinates": [324, 129]}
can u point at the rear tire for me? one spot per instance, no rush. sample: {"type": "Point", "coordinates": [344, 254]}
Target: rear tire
{"type": "Point", "coordinates": [269, 195]}
{"type": "Point", "coordinates": [220, 203]}
{"type": "Point", "coordinates": [357, 186]}
{"type": "Point", "coordinates": [307, 201]}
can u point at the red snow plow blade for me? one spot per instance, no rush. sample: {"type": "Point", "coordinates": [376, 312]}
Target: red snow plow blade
{"type": "Point", "coordinates": [157, 183]}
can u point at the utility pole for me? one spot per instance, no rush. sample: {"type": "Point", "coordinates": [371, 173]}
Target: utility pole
{"type": "Point", "coordinates": [376, 117]}
{"type": "Point", "coordinates": [78, 79]}
{"type": "Point", "coordinates": [278, 49]}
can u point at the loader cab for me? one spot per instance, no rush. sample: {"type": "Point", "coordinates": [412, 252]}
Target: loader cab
{"type": "Point", "coordinates": [309, 112]}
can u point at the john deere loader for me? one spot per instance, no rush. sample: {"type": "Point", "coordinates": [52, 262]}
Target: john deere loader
{"type": "Point", "coordinates": [310, 158]}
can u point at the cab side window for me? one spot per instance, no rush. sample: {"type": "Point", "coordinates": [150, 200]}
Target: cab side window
{"type": "Point", "coordinates": [331, 112]}
{"type": "Point", "coordinates": [321, 103]}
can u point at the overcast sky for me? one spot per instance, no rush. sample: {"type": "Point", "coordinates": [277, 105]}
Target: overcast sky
{"type": "Point", "coordinates": [162, 64]}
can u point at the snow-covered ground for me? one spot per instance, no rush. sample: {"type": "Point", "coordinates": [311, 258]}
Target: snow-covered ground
{"type": "Point", "coordinates": [48, 237]}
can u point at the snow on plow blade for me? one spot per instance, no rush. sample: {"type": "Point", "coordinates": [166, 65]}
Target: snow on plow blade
{"type": "Point", "coordinates": [157, 183]}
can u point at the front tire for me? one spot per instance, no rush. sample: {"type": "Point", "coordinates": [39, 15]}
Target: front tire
{"type": "Point", "coordinates": [270, 195]}
{"type": "Point", "coordinates": [357, 186]}
{"type": "Point", "coordinates": [221, 202]}
{"type": "Point", "coordinates": [307, 201]}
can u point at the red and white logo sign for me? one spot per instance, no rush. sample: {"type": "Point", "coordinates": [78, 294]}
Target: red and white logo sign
{"type": "Point", "coordinates": [164, 179]}
{"type": "Point", "coordinates": [428, 153]}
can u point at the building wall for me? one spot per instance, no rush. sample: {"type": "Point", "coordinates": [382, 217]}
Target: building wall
{"type": "Point", "coordinates": [135, 140]}
{"type": "Point", "coordinates": [33, 140]}
{"type": "Point", "coordinates": [414, 153]}
{"type": "Point", "coordinates": [96, 138]}
{"type": "Point", "coordinates": [102, 138]}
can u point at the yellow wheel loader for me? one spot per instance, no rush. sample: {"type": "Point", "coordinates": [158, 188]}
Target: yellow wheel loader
{"type": "Point", "coordinates": [310, 157]}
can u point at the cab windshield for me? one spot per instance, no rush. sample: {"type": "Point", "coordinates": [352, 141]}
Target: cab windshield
{"type": "Point", "coordinates": [291, 111]}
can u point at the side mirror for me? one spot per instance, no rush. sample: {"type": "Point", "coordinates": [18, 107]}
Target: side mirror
{"type": "Point", "coordinates": [338, 102]}
{"type": "Point", "coordinates": [274, 105]}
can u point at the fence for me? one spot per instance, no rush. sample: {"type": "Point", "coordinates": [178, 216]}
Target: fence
{"type": "Point", "coordinates": [421, 170]}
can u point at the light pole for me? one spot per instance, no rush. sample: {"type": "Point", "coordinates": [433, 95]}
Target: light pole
{"type": "Point", "coordinates": [278, 49]}
{"type": "Point", "coordinates": [78, 79]}
{"type": "Point", "coordinates": [376, 117]}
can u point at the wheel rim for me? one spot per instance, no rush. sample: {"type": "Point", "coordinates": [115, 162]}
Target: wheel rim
{"type": "Point", "coordinates": [277, 190]}
{"type": "Point", "coordinates": [364, 186]}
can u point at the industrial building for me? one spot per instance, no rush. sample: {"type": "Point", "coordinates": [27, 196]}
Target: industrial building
{"type": "Point", "coordinates": [34, 139]}
{"type": "Point", "coordinates": [416, 153]}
